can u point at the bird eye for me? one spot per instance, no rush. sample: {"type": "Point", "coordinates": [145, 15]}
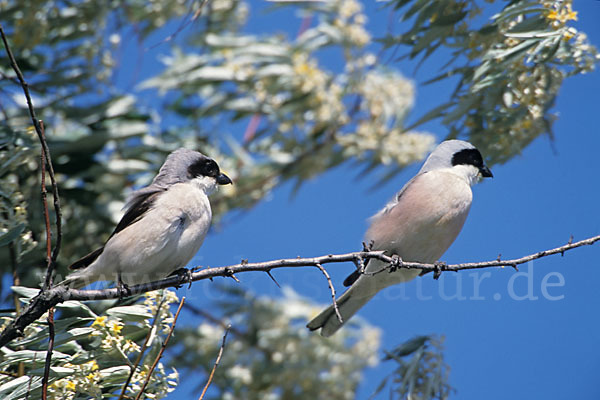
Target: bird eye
{"type": "Point", "coordinates": [211, 168]}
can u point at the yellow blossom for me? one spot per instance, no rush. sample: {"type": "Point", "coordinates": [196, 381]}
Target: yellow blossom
{"type": "Point", "coordinates": [115, 327]}
{"type": "Point", "coordinates": [100, 321]}
{"type": "Point", "coordinates": [94, 365]}
{"type": "Point", "coordinates": [563, 15]}
{"type": "Point", "coordinates": [70, 385]}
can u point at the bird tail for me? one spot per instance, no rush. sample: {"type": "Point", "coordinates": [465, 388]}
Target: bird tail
{"type": "Point", "coordinates": [348, 304]}
{"type": "Point", "coordinates": [75, 280]}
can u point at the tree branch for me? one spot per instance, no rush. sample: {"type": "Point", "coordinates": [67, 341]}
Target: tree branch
{"type": "Point", "coordinates": [162, 350]}
{"type": "Point", "coordinates": [39, 128]}
{"type": "Point", "coordinates": [58, 294]}
{"type": "Point", "coordinates": [216, 364]}
{"type": "Point", "coordinates": [134, 367]}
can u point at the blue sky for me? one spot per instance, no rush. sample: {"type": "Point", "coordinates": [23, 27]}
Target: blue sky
{"type": "Point", "coordinates": [497, 346]}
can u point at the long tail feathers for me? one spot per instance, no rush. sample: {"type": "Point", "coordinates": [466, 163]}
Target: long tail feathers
{"type": "Point", "coordinates": [348, 304]}
{"type": "Point", "coordinates": [74, 281]}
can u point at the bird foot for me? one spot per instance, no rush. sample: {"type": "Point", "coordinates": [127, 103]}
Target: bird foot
{"type": "Point", "coordinates": [185, 276]}
{"type": "Point", "coordinates": [396, 263]}
{"type": "Point", "coordinates": [123, 289]}
{"type": "Point", "coordinates": [439, 265]}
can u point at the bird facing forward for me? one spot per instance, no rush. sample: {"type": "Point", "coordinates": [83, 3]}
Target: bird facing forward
{"type": "Point", "coordinates": [418, 225]}
{"type": "Point", "coordinates": [163, 227]}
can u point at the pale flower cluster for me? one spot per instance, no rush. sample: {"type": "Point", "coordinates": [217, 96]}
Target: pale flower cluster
{"type": "Point", "coordinates": [389, 145]}
{"type": "Point", "coordinates": [351, 22]}
{"type": "Point", "coordinates": [324, 101]}
{"type": "Point", "coordinates": [159, 386]}
{"type": "Point", "coordinates": [277, 349]}
{"type": "Point", "coordinates": [386, 100]}
{"type": "Point", "coordinates": [88, 378]}
{"type": "Point", "coordinates": [109, 332]}
{"type": "Point", "coordinates": [161, 298]}
{"type": "Point", "coordinates": [386, 96]}
{"type": "Point", "coordinates": [85, 378]}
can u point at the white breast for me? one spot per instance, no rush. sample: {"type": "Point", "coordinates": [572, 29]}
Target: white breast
{"type": "Point", "coordinates": [422, 225]}
{"type": "Point", "coordinates": [163, 240]}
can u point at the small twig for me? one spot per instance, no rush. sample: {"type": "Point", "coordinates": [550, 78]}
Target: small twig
{"type": "Point", "coordinates": [162, 350]}
{"type": "Point", "coordinates": [48, 354]}
{"type": "Point", "coordinates": [142, 351]}
{"type": "Point", "coordinates": [182, 26]}
{"type": "Point", "coordinates": [49, 261]}
{"type": "Point", "coordinates": [58, 294]}
{"type": "Point", "coordinates": [216, 364]}
{"type": "Point", "coordinates": [39, 128]}
{"type": "Point", "coordinates": [335, 305]}
{"type": "Point", "coordinates": [30, 378]}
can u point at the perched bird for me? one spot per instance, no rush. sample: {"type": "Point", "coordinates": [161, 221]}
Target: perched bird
{"type": "Point", "coordinates": [418, 225]}
{"type": "Point", "coordinates": [163, 227]}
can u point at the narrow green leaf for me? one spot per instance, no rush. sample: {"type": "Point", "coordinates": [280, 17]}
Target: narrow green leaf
{"type": "Point", "coordinates": [11, 235]}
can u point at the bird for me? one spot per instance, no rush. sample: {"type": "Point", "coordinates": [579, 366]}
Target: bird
{"type": "Point", "coordinates": [163, 226]}
{"type": "Point", "coordinates": [417, 225]}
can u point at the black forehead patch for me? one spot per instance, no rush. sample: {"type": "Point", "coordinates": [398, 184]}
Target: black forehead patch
{"type": "Point", "coordinates": [468, 157]}
{"type": "Point", "coordinates": [203, 167]}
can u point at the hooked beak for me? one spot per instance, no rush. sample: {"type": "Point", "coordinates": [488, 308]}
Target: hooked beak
{"type": "Point", "coordinates": [223, 179]}
{"type": "Point", "coordinates": [485, 172]}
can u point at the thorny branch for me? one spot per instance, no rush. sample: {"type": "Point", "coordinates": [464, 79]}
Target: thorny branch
{"type": "Point", "coordinates": [39, 128]}
{"type": "Point", "coordinates": [46, 160]}
{"type": "Point", "coordinates": [58, 294]}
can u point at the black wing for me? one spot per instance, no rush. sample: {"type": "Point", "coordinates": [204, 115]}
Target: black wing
{"type": "Point", "coordinates": [135, 212]}
{"type": "Point", "coordinates": [86, 260]}
{"type": "Point", "coordinates": [350, 279]}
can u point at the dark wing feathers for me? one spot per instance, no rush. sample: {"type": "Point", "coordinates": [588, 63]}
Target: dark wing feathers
{"type": "Point", "coordinates": [86, 260]}
{"type": "Point", "coordinates": [350, 279]}
{"type": "Point", "coordinates": [134, 213]}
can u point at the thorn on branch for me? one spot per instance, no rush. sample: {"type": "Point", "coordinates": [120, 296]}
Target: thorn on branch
{"type": "Point", "coordinates": [368, 247]}
{"type": "Point", "coordinates": [359, 262]}
{"type": "Point", "coordinates": [57, 294]}
{"type": "Point", "coordinates": [244, 261]}
{"type": "Point", "coordinates": [273, 278]}
{"type": "Point", "coordinates": [499, 257]}
{"type": "Point", "coordinates": [229, 273]}
{"type": "Point", "coordinates": [570, 242]}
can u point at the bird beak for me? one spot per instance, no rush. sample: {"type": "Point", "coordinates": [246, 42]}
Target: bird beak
{"type": "Point", "coordinates": [223, 179]}
{"type": "Point", "coordinates": [485, 172]}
